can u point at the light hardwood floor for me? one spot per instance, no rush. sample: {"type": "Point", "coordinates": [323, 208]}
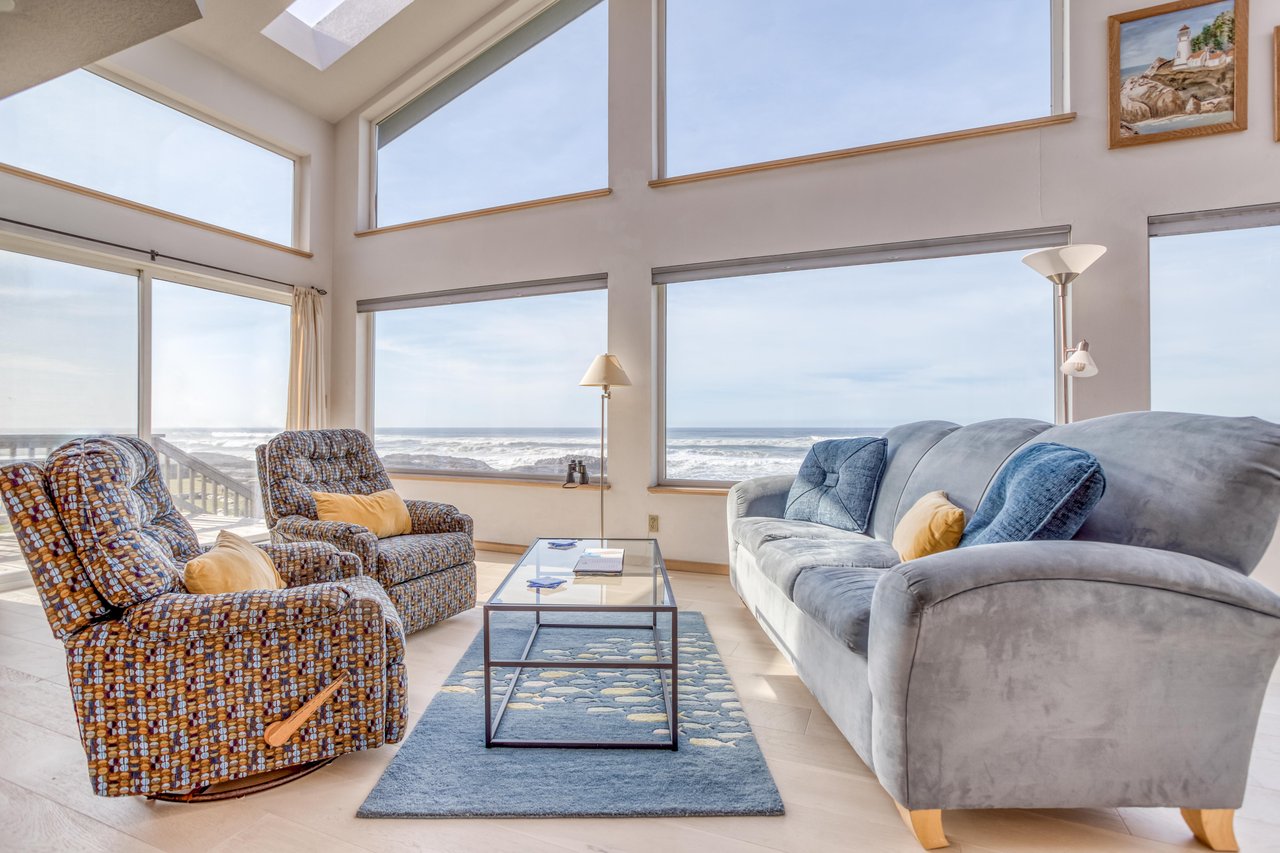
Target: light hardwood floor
{"type": "Point", "coordinates": [833, 802]}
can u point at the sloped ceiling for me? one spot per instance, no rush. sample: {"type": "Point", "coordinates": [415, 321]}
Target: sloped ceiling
{"type": "Point", "coordinates": [231, 34]}
{"type": "Point", "coordinates": [43, 39]}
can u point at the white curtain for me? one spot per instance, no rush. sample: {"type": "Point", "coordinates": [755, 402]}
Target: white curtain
{"type": "Point", "coordinates": [308, 378]}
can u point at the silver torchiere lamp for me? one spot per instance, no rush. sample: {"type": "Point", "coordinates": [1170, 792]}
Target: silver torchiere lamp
{"type": "Point", "coordinates": [1063, 265]}
{"type": "Point", "coordinates": [604, 373]}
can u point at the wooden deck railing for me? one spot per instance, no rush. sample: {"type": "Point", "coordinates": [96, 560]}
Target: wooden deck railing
{"type": "Point", "coordinates": [196, 486]}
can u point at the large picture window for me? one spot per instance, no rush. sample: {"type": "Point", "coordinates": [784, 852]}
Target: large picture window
{"type": "Point", "coordinates": [527, 119]}
{"type": "Point", "coordinates": [86, 130]}
{"type": "Point", "coordinates": [70, 367]}
{"type": "Point", "coordinates": [760, 366]}
{"type": "Point", "coordinates": [1214, 346]}
{"type": "Point", "coordinates": [490, 388]}
{"type": "Point", "coordinates": [748, 81]}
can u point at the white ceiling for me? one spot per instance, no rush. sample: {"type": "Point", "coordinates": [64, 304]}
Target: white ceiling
{"type": "Point", "coordinates": [231, 34]}
{"type": "Point", "coordinates": [43, 39]}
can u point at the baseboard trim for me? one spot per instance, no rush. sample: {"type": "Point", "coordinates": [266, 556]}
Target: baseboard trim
{"type": "Point", "coordinates": [672, 565]}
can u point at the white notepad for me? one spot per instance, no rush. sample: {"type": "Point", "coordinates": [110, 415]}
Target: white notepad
{"type": "Point", "coordinates": [599, 561]}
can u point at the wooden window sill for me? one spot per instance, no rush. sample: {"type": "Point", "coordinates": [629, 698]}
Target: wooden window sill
{"type": "Point", "coordinates": [708, 491]}
{"type": "Point", "coordinates": [877, 148]}
{"type": "Point", "coordinates": [487, 211]}
{"type": "Point", "coordinates": [490, 481]}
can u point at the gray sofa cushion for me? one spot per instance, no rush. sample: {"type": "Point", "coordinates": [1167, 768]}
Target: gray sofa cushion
{"type": "Point", "coordinates": [837, 483]}
{"type": "Point", "coordinates": [751, 533]}
{"type": "Point", "coordinates": [1196, 484]}
{"type": "Point", "coordinates": [1044, 492]}
{"type": "Point", "coordinates": [839, 599]}
{"type": "Point", "coordinates": [784, 560]}
{"type": "Point", "coordinates": [907, 445]}
{"type": "Point", "coordinates": [963, 463]}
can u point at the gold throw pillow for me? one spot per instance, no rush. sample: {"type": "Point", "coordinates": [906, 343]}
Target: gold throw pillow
{"type": "Point", "coordinates": [233, 564]}
{"type": "Point", "coordinates": [384, 513]}
{"type": "Point", "coordinates": [934, 524]}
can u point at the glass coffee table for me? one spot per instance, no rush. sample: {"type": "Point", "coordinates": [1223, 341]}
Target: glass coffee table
{"type": "Point", "coordinates": [640, 598]}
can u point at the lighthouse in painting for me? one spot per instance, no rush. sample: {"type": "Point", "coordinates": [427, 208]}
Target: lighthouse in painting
{"type": "Point", "coordinates": [1184, 47]}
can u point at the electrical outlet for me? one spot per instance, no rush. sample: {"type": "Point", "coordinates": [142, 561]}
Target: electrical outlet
{"type": "Point", "coordinates": [653, 524]}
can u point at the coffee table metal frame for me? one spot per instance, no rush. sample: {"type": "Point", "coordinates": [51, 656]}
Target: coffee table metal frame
{"type": "Point", "coordinates": [670, 691]}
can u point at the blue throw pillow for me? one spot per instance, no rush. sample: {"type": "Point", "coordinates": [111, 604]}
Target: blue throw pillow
{"type": "Point", "coordinates": [837, 483]}
{"type": "Point", "coordinates": [1045, 491]}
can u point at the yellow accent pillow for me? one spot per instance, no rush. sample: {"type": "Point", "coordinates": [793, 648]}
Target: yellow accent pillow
{"type": "Point", "coordinates": [384, 513]}
{"type": "Point", "coordinates": [233, 564]}
{"type": "Point", "coordinates": [934, 524]}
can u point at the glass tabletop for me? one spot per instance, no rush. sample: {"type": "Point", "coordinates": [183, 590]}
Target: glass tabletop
{"type": "Point", "coordinates": [641, 583]}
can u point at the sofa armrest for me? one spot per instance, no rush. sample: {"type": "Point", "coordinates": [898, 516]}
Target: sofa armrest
{"type": "Point", "coordinates": [341, 534]}
{"type": "Point", "coordinates": [433, 517]}
{"type": "Point", "coordinates": [1047, 674]}
{"type": "Point", "coordinates": [303, 563]}
{"type": "Point", "coordinates": [759, 496]}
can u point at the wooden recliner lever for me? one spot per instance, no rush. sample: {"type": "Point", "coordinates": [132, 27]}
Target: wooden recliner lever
{"type": "Point", "coordinates": [278, 734]}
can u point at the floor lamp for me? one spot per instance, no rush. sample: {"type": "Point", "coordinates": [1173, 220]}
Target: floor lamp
{"type": "Point", "coordinates": [604, 373]}
{"type": "Point", "coordinates": [1063, 265]}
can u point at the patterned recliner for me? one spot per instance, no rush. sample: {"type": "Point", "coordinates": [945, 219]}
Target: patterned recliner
{"type": "Point", "coordinates": [175, 691]}
{"type": "Point", "coordinates": [429, 573]}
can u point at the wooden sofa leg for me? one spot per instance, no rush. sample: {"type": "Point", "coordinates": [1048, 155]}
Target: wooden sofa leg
{"type": "Point", "coordinates": [925, 825]}
{"type": "Point", "coordinates": [1212, 827]}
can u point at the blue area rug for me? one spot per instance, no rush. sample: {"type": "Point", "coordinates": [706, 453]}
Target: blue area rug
{"type": "Point", "coordinates": [444, 770]}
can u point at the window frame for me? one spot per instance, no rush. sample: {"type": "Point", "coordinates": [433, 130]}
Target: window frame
{"type": "Point", "coordinates": [367, 343]}
{"type": "Point", "coordinates": [1059, 106]}
{"type": "Point", "coordinates": [446, 71]}
{"type": "Point", "coordinates": [297, 225]}
{"type": "Point", "coordinates": [915, 250]}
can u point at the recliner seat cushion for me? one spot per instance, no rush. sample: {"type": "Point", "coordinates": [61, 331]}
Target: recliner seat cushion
{"type": "Point", "coordinates": [837, 483]}
{"type": "Point", "coordinates": [1044, 492]}
{"type": "Point", "coordinates": [839, 599]}
{"type": "Point", "coordinates": [416, 555]}
{"type": "Point", "coordinates": [785, 560]}
{"type": "Point", "coordinates": [119, 515]}
{"type": "Point", "coordinates": [751, 533]}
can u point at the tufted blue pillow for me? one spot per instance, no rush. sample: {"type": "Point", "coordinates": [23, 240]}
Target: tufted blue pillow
{"type": "Point", "coordinates": [837, 483]}
{"type": "Point", "coordinates": [1045, 491]}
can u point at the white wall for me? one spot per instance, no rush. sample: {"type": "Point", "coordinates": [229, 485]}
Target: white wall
{"type": "Point", "coordinates": [1058, 175]}
{"type": "Point", "coordinates": [175, 71]}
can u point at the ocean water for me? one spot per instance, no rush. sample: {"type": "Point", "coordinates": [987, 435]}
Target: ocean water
{"type": "Point", "coordinates": [705, 453]}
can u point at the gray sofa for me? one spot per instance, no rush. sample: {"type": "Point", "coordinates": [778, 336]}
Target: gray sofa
{"type": "Point", "coordinates": [1125, 667]}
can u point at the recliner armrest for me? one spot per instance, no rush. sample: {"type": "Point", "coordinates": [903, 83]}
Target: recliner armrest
{"type": "Point", "coordinates": [433, 517]}
{"type": "Point", "coordinates": [345, 536]}
{"type": "Point", "coordinates": [303, 563]}
{"type": "Point", "coordinates": [759, 497]}
{"type": "Point", "coordinates": [177, 614]}
{"type": "Point", "coordinates": [935, 578]}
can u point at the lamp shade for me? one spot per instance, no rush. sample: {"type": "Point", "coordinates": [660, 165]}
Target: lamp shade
{"type": "Point", "coordinates": [1061, 264]}
{"type": "Point", "coordinates": [604, 372]}
{"type": "Point", "coordinates": [1080, 365]}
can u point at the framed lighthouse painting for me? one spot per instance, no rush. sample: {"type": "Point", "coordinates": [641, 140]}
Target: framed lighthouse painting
{"type": "Point", "coordinates": [1178, 70]}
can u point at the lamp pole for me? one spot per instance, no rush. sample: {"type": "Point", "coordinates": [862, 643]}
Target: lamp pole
{"type": "Point", "coordinates": [604, 398]}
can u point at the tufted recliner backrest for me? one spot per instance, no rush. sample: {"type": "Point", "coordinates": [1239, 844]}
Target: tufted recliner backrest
{"type": "Point", "coordinates": [294, 464]}
{"type": "Point", "coordinates": [70, 600]}
{"type": "Point", "coordinates": [120, 518]}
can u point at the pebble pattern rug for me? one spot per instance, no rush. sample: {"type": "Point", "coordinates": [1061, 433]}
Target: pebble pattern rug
{"type": "Point", "coordinates": [444, 770]}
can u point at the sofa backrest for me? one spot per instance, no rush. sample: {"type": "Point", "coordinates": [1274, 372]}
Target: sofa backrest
{"type": "Point", "coordinates": [1201, 485]}
{"type": "Point", "coordinates": [907, 445]}
{"type": "Point", "coordinates": [964, 462]}
{"type": "Point", "coordinates": [70, 600]}
{"type": "Point", "coordinates": [117, 512]}
{"type": "Point", "coordinates": [294, 464]}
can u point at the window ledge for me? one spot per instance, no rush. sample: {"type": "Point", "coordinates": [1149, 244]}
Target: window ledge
{"type": "Point", "coordinates": [893, 145]}
{"type": "Point", "coordinates": [5, 168]}
{"type": "Point", "coordinates": [708, 491]}
{"type": "Point", "coordinates": [488, 211]}
{"type": "Point", "coordinates": [490, 481]}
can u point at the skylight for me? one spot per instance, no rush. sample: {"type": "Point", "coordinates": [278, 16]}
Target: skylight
{"type": "Point", "coordinates": [320, 32]}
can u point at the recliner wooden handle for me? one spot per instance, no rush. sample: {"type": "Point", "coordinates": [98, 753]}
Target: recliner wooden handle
{"type": "Point", "coordinates": [278, 734]}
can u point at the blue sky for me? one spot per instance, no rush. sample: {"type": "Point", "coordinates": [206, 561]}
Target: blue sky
{"type": "Point", "coordinates": [1214, 344]}
{"type": "Point", "coordinates": [89, 131]}
{"type": "Point", "coordinates": [1143, 40]}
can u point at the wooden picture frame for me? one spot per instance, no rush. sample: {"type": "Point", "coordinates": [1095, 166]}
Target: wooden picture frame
{"type": "Point", "coordinates": [1179, 70]}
